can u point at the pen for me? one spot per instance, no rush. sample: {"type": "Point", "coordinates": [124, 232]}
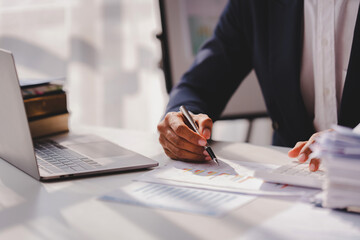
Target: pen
{"type": "Point", "coordinates": [187, 115]}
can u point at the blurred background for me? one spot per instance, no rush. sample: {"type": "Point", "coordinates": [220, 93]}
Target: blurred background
{"type": "Point", "coordinates": [106, 49]}
{"type": "Point", "coordinates": [109, 54]}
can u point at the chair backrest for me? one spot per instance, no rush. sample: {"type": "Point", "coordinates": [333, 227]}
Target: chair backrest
{"type": "Point", "coordinates": [186, 25]}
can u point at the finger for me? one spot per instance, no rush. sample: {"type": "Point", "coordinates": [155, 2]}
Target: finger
{"type": "Point", "coordinates": [306, 150]}
{"type": "Point", "coordinates": [294, 152]}
{"type": "Point", "coordinates": [309, 142]}
{"type": "Point", "coordinates": [304, 155]}
{"type": "Point", "coordinates": [302, 149]}
{"type": "Point", "coordinates": [161, 126]}
{"type": "Point", "coordinates": [167, 151]}
{"type": "Point", "coordinates": [205, 124]}
{"type": "Point", "coordinates": [177, 124]}
{"type": "Point", "coordinates": [182, 143]}
{"type": "Point", "coordinates": [178, 153]}
{"type": "Point", "coordinates": [314, 164]}
{"type": "Point", "coordinates": [298, 152]}
{"type": "Point", "coordinates": [169, 154]}
{"type": "Point", "coordinates": [182, 154]}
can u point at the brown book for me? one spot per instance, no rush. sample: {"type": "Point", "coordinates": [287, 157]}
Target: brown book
{"type": "Point", "coordinates": [49, 125]}
{"type": "Point", "coordinates": [45, 105]}
{"type": "Point", "coordinates": [40, 90]}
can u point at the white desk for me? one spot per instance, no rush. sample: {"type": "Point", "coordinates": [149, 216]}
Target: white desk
{"type": "Point", "coordinates": [70, 209]}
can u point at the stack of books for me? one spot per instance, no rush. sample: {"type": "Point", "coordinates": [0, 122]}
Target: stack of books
{"type": "Point", "coordinates": [46, 108]}
{"type": "Point", "coordinates": [339, 151]}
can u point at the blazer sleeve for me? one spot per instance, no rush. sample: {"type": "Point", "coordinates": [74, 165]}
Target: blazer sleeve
{"type": "Point", "coordinates": [219, 67]}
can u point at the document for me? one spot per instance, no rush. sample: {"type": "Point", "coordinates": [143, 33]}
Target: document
{"type": "Point", "coordinates": [180, 199]}
{"type": "Point", "coordinates": [230, 176]}
{"type": "Point", "coordinates": [340, 154]}
{"type": "Point", "coordinates": [27, 82]}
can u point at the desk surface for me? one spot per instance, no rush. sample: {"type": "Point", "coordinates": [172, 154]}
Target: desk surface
{"type": "Point", "coordinates": [71, 209]}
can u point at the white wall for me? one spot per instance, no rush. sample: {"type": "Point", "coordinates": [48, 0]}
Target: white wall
{"type": "Point", "coordinates": [106, 48]}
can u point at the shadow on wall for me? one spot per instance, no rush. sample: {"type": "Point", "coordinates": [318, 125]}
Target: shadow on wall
{"type": "Point", "coordinates": [41, 60]}
{"type": "Point", "coordinates": [82, 52]}
{"type": "Point", "coordinates": [107, 51]}
{"type": "Point", "coordinates": [34, 57]}
{"type": "Point", "coordinates": [117, 82]}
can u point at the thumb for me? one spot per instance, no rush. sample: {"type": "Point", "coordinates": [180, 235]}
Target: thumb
{"type": "Point", "coordinates": [205, 125]}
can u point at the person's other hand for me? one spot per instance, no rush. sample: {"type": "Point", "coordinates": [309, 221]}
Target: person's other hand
{"type": "Point", "coordinates": [180, 142]}
{"type": "Point", "coordinates": [302, 150]}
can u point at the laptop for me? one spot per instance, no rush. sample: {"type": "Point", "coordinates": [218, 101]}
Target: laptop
{"type": "Point", "coordinates": [294, 173]}
{"type": "Point", "coordinates": [60, 156]}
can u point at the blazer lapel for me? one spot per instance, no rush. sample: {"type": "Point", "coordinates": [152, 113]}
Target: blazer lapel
{"type": "Point", "coordinates": [285, 52]}
{"type": "Point", "coordinates": [349, 108]}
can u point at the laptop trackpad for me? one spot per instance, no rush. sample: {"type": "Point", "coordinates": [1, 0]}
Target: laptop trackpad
{"type": "Point", "coordinates": [99, 149]}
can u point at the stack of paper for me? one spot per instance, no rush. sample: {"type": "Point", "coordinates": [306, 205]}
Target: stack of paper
{"type": "Point", "coordinates": [208, 188]}
{"type": "Point", "coordinates": [340, 154]}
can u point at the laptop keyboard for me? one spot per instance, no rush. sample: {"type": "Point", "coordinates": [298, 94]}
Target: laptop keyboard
{"type": "Point", "coordinates": [299, 169]}
{"type": "Point", "coordinates": [55, 158]}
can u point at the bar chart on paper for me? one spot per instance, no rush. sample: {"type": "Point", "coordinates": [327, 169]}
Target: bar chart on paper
{"type": "Point", "coordinates": [230, 176]}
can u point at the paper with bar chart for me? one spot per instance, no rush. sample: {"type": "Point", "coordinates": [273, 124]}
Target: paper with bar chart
{"type": "Point", "coordinates": [230, 176]}
{"type": "Point", "coordinates": [180, 199]}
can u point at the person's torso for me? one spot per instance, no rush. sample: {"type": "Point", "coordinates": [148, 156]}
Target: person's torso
{"type": "Point", "coordinates": [274, 31]}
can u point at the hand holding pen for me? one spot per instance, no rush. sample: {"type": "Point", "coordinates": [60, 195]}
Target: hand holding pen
{"type": "Point", "coordinates": [188, 117]}
{"type": "Point", "coordinates": [180, 142]}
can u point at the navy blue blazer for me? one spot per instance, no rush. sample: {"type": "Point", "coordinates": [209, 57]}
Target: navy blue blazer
{"type": "Point", "coordinates": [264, 35]}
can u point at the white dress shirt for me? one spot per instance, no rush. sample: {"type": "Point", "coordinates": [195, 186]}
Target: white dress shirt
{"type": "Point", "coordinates": [328, 33]}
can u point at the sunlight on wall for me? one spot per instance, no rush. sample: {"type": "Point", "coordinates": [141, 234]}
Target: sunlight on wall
{"type": "Point", "coordinates": [106, 48]}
